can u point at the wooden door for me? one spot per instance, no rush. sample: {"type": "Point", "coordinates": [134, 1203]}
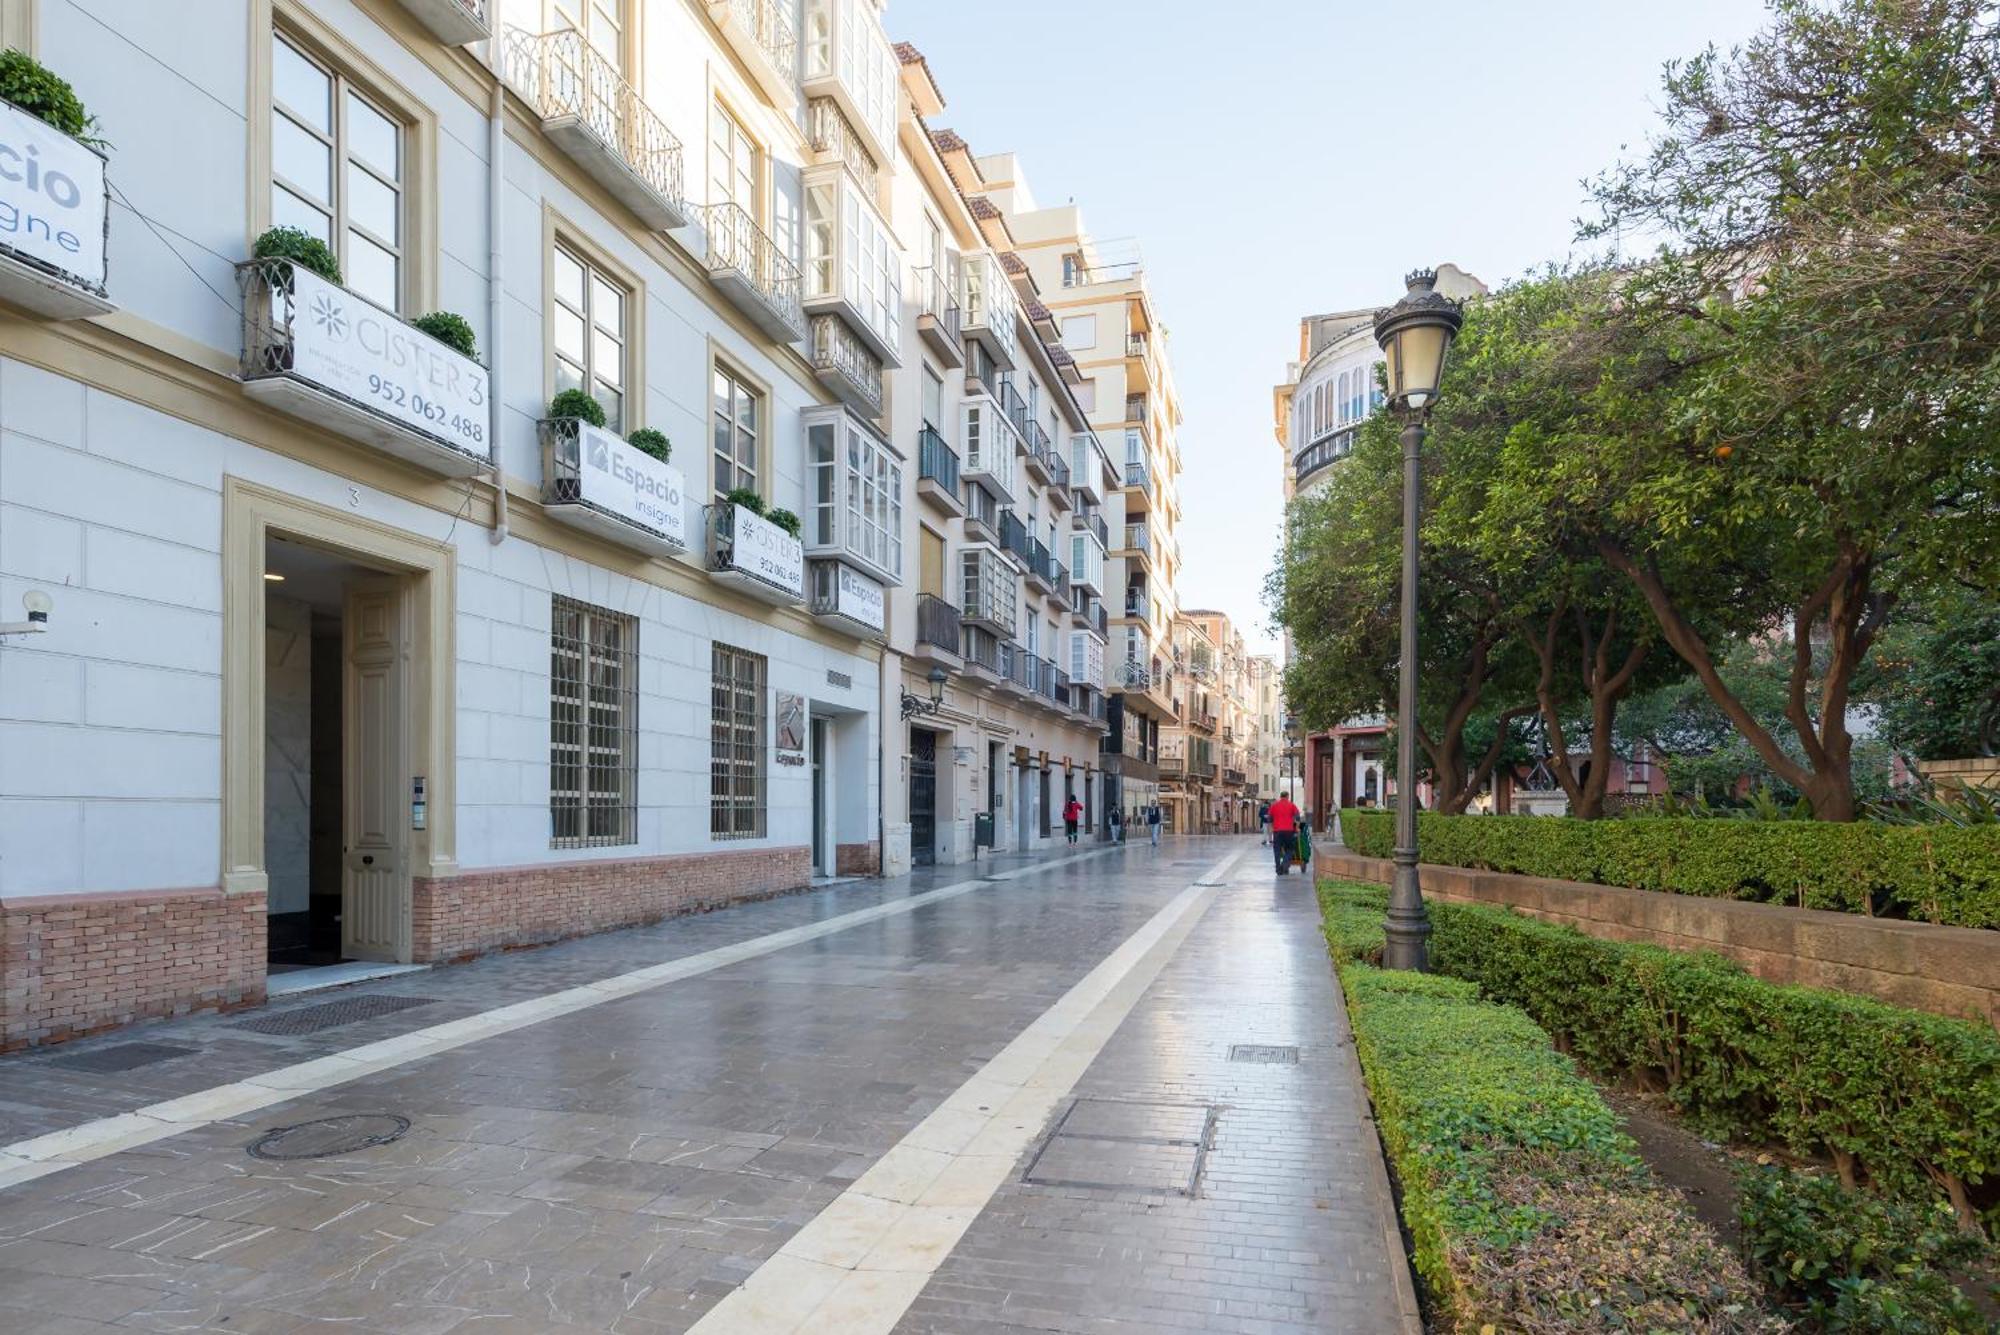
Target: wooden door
{"type": "Point", "coordinates": [375, 885]}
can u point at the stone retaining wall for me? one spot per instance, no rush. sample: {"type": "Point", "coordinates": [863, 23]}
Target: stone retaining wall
{"type": "Point", "coordinates": [1946, 970]}
{"type": "Point", "coordinates": [74, 964]}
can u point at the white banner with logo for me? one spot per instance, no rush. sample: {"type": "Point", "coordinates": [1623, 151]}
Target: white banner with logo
{"type": "Point", "coordinates": [51, 197]}
{"type": "Point", "coordinates": [353, 347]}
{"type": "Point", "coordinates": [861, 599]}
{"type": "Point", "coordinates": [768, 552]}
{"type": "Point", "coordinates": [630, 483]}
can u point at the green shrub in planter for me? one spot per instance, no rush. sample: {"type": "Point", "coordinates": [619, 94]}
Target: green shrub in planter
{"type": "Point", "coordinates": [35, 89]}
{"type": "Point", "coordinates": [1856, 1263]}
{"type": "Point", "coordinates": [1946, 874]}
{"type": "Point", "coordinates": [648, 441]}
{"type": "Point", "coordinates": [1527, 1207]}
{"type": "Point", "coordinates": [1903, 1100]}
{"type": "Point", "coordinates": [451, 330]}
{"type": "Point", "coordinates": [576, 403]}
{"type": "Point", "coordinates": [786, 520]}
{"type": "Point", "coordinates": [308, 252]}
{"type": "Point", "coordinates": [745, 497]}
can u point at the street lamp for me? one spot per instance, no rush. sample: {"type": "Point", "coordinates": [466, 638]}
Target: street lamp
{"type": "Point", "coordinates": [914, 705]}
{"type": "Point", "coordinates": [1415, 335]}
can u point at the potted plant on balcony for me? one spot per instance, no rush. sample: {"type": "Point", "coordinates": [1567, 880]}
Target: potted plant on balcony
{"type": "Point", "coordinates": [786, 520]}
{"type": "Point", "coordinates": [47, 96]}
{"type": "Point", "coordinates": [655, 443]}
{"type": "Point", "coordinates": [450, 329]}
{"type": "Point", "coordinates": [577, 404]}
{"type": "Point", "coordinates": [560, 437]}
{"type": "Point", "coordinates": [306, 251]}
{"type": "Point", "coordinates": [747, 498]}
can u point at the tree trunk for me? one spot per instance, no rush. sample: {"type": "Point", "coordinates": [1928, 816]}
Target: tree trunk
{"type": "Point", "coordinates": [1603, 684]}
{"type": "Point", "coordinates": [1853, 613]}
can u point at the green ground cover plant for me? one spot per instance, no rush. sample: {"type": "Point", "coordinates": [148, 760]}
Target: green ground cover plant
{"type": "Point", "coordinates": [1947, 874]}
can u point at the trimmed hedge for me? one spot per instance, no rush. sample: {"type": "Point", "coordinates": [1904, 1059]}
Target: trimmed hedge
{"type": "Point", "coordinates": [1907, 1101]}
{"type": "Point", "coordinates": [1526, 1204]}
{"type": "Point", "coordinates": [1927, 873]}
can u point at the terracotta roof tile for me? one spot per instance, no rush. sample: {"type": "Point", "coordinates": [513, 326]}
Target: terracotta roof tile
{"type": "Point", "coordinates": [982, 208]}
{"type": "Point", "coordinates": [947, 141]}
{"type": "Point", "coordinates": [908, 54]}
{"type": "Point", "coordinates": [1013, 263]}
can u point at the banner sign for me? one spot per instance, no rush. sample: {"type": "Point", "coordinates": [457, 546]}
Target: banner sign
{"type": "Point", "coordinates": [354, 348]}
{"type": "Point", "coordinates": [791, 730]}
{"type": "Point", "coordinates": [768, 552]}
{"type": "Point", "coordinates": [631, 483]}
{"type": "Point", "coordinates": [859, 598]}
{"type": "Point", "coordinates": [52, 198]}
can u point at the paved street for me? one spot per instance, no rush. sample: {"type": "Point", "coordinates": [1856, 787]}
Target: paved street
{"type": "Point", "coordinates": [1101, 1090]}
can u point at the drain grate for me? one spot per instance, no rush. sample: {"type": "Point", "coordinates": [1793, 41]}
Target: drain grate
{"type": "Point", "coordinates": [1155, 1149]}
{"type": "Point", "coordinates": [123, 1057]}
{"type": "Point", "coordinates": [1268, 1054]}
{"type": "Point", "coordinates": [325, 1137]}
{"type": "Point", "coordinates": [328, 1014]}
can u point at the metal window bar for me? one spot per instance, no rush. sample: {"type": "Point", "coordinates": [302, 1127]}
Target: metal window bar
{"type": "Point", "coordinates": [832, 134]}
{"type": "Point", "coordinates": [593, 726]}
{"type": "Point", "coordinates": [736, 744]}
{"type": "Point", "coordinates": [735, 241]}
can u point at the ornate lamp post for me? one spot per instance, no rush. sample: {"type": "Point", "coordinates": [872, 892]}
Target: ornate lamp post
{"type": "Point", "coordinates": [915, 706]}
{"type": "Point", "coordinates": [1415, 335]}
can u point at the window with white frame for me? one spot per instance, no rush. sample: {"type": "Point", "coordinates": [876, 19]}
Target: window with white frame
{"type": "Point", "coordinates": [733, 158]}
{"type": "Point", "coordinates": [602, 22]}
{"type": "Point", "coordinates": [588, 333]}
{"type": "Point", "coordinates": [736, 744]}
{"type": "Point", "coordinates": [855, 490]}
{"type": "Point", "coordinates": [593, 726]}
{"type": "Point", "coordinates": [337, 164]}
{"type": "Point", "coordinates": [737, 415]}
{"type": "Point", "coordinates": [851, 254]}
{"type": "Point", "coordinates": [933, 399]}
{"type": "Point", "coordinates": [1079, 332]}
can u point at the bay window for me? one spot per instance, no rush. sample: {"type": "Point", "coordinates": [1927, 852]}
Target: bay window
{"type": "Point", "coordinates": [853, 266]}
{"type": "Point", "coordinates": [854, 493]}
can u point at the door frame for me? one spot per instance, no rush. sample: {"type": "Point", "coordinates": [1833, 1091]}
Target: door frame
{"type": "Point", "coordinates": [251, 515]}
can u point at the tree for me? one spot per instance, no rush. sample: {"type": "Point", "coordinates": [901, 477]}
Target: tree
{"type": "Point", "coordinates": [1800, 387]}
{"type": "Point", "coordinates": [1936, 677]}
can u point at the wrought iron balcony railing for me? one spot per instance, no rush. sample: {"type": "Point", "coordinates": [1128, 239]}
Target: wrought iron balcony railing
{"type": "Point", "coordinates": [936, 461]}
{"type": "Point", "coordinates": [937, 301]}
{"type": "Point", "coordinates": [454, 22]}
{"type": "Point", "coordinates": [601, 121]}
{"type": "Point", "coordinates": [834, 135]}
{"type": "Point", "coordinates": [980, 649]}
{"type": "Point", "coordinates": [757, 274]}
{"type": "Point", "coordinates": [1094, 521]}
{"type": "Point", "coordinates": [939, 624]}
{"type": "Point", "coordinates": [1014, 534]}
{"type": "Point", "coordinates": [1012, 404]}
{"type": "Point", "coordinates": [767, 29]}
{"type": "Point", "coordinates": [845, 365]}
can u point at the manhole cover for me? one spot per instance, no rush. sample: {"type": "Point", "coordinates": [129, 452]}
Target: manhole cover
{"type": "Point", "coordinates": [326, 1015]}
{"type": "Point", "coordinates": [1152, 1148]}
{"type": "Point", "coordinates": [123, 1057]}
{"type": "Point", "coordinates": [325, 1137]}
{"type": "Point", "coordinates": [1267, 1054]}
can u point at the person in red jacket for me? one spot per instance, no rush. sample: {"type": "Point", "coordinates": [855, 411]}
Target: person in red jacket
{"type": "Point", "coordinates": [1072, 813]}
{"type": "Point", "coordinates": [1284, 832]}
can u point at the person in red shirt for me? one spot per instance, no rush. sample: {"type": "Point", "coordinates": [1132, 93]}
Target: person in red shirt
{"type": "Point", "coordinates": [1284, 832]}
{"type": "Point", "coordinates": [1072, 813]}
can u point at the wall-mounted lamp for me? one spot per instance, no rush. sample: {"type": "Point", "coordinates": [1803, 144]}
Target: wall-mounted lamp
{"type": "Point", "coordinates": [38, 605]}
{"type": "Point", "coordinates": [914, 705]}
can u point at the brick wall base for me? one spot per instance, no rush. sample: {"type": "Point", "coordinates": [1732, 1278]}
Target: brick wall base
{"type": "Point", "coordinates": [74, 964]}
{"type": "Point", "coordinates": [857, 859]}
{"type": "Point", "coordinates": [494, 908]}
{"type": "Point", "coordinates": [1945, 970]}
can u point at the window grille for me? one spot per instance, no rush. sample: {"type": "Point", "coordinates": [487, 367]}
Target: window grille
{"type": "Point", "coordinates": [736, 745]}
{"type": "Point", "coordinates": [593, 726]}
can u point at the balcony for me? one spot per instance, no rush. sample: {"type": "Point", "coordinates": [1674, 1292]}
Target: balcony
{"type": "Point", "coordinates": [850, 60]}
{"type": "Point", "coordinates": [990, 311]}
{"type": "Point", "coordinates": [1139, 360]}
{"type": "Point", "coordinates": [1137, 540]}
{"type": "Point", "coordinates": [854, 494]}
{"type": "Point", "coordinates": [1054, 685]}
{"type": "Point", "coordinates": [1086, 475]}
{"type": "Point", "coordinates": [1138, 605]}
{"type": "Point", "coordinates": [338, 361]}
{"type": "Point", "coordinates": [844, 365]}
{"type": "Point", "coordinates": [53, 254]}
{"type": "Point", "coordinates": [1321, 455]}
{"type": "Point", "coordinates": [939, 319]}
{"type": "Point", "coordinates": [1022, 669]}
{"type": "Point", "coordinates": [937, 472]}
{"type": "Point", "coordinates": [749, 552]}
{"type": "Point", "coordinates": [1092, 522]}
{"type": "Point", "coordinates": [992, 591]}
{"type": "Point", "coordinates": [453, 22]}
{"type": "Point", "coordinates": [847, 600]}
{"type": "Point", "coordinates": [762, 34]}
{"type": "Point", "coordinates": [753, 272]}
{"type": "Point", "coordinates": [1041, 572]}
{"type": "Point", "coordinates": [1136, 408]}
{"type": "Point", "coordinates": [1060, 594]}
{"type": "Point", "coordinates": [853, 266]}
{"type": "Point", "coordinates": [597, 118]}
{"type": "Point", "coordinates": [1035, 449]}
{"type": "Point", "coordinates": [1086, 560]}
{"type": "Point", "coordinates": [940, 631]}
{"type": "Point", "coordinates": [1103, 624]}
{"type": "Point", "coordinates": [1138, 476]}
{"type": "Point", "coordinates": [990, 456]}
{"type": "Point", "coordinates": [1014, 539]}
{"type": "Point", "coordinates": [982, 513]}
{"type": "Point", "coordinates": [592, 480]}
{"type": "Point", "coordinates": [1202, 718]}
{"type": "Point", "coordinates": [1059, 497]}
{"type": "Point", "coordinates": [1173, 764]}
{"type": "Point", "coordinates": [1015, 408]}
{"type": "Point", "coordinates": [834, 137]}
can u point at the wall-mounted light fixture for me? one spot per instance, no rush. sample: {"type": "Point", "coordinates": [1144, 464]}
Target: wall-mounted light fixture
{"type": "Point", "coordinates": [914, 705]}
{"type": "Point", "coordinates": [38, 605]}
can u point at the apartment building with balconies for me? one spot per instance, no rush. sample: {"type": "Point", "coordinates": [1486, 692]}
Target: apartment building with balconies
{"type": "Point", "coordinates": [1006, 604]}
{"type": "Point", "coordinates": [364, 647]}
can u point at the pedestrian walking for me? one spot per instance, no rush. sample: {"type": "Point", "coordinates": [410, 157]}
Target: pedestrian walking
{"type": "Point", "coordinates": [1284, 833]}
{"type": "Point", "coordinates": [1072, 813]}
{"type": "Point", "coordinates": [1153, 823]}
{"type": "Point", "coordinates": [1117, 825]}
{"type": "Point", "coordinates": [1264, 824]}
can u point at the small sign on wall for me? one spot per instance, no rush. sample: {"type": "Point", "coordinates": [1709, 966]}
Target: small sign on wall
{"type": "Point", "coordinates": [791, 729]}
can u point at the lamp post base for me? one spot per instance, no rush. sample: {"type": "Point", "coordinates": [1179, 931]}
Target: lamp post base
{"type": "Point", "coordinates": [1408, 926]}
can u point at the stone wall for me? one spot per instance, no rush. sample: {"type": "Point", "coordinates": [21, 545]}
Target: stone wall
{"type": "Point", "coordinates": [74, 964]}
{"type": "Point", "coordinates": [496, 907]}
{"type": "Point", "coordinates": [1946, 970]}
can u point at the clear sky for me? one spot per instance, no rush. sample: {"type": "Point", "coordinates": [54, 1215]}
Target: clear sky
{"type": "Point", "coordinates": [1276, 158]}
